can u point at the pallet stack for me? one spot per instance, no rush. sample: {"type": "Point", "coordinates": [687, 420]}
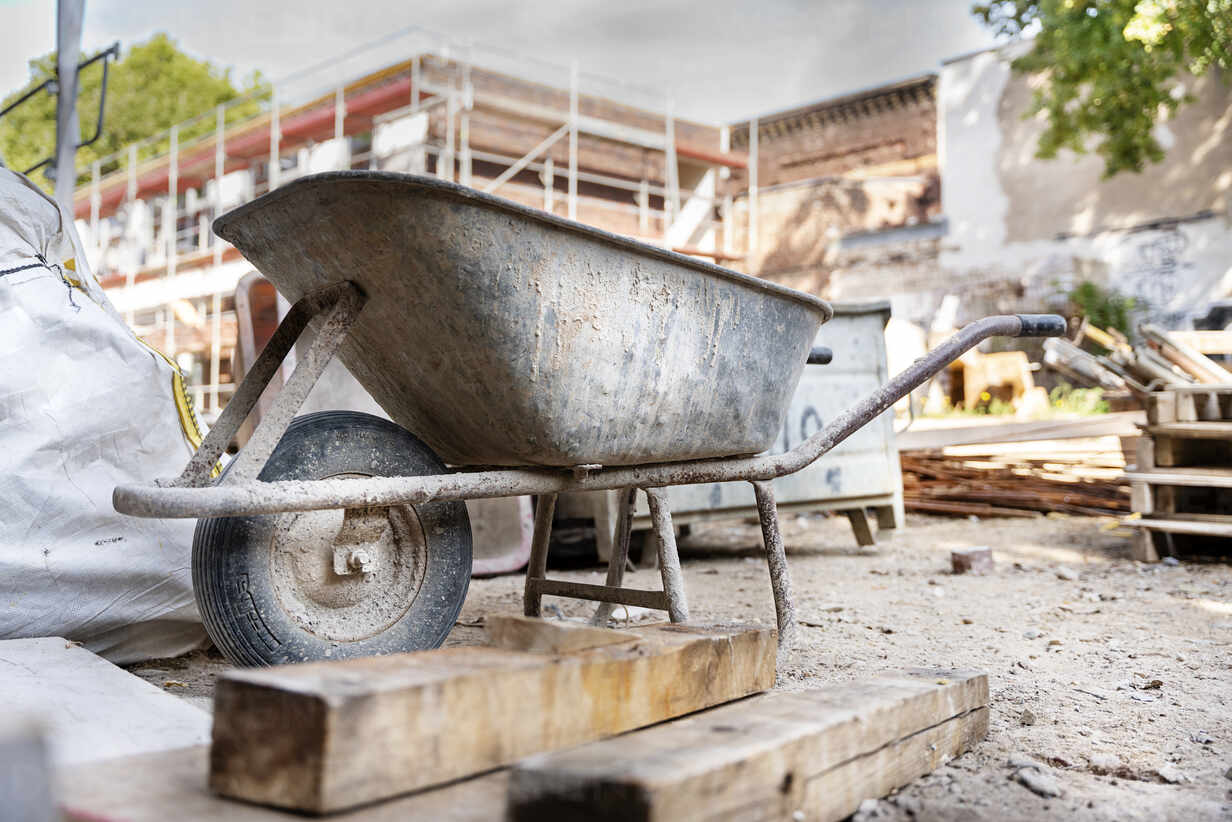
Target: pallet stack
{"type": "Point", "coordinates": [1182, 482]}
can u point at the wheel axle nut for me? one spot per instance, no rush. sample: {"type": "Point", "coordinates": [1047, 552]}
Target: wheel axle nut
{"type": "Point", "coordinates": [360, 560]}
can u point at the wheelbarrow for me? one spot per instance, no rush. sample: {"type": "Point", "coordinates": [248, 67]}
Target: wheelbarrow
{"type": "Point", "coordinates": [515, 353]}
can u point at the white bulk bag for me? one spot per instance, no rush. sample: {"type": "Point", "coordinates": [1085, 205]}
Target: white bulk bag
{"type": "Point", "coordinates": [84, 406]}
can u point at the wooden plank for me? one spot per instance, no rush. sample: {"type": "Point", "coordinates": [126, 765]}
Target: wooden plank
{"type": "Point", "coordinates": [172, 786]}
{"type": "Point", "coordinates": [783, 756]}
{"type": "Point", "coordinates": [324, 736]}
{"type": "Point", "coordinates": [1161, 408]}
{"type": "Point", "coordinates": [1198, 430]}
{"type": "Point", "coordinates": [1119, 423]}
{"type": "Point", "coordinates": [1205, 342]}
{"type": "Point", "coordinates": [548, 636]}
{"type": "Point", "coordinates": [1178, 526]}
{"type": "Point", "coordinates": [1142, 546]}
{"type": "Point", "coordinates": [1141, 498]}
{"type": "Point", "coordinates": [1203, 477]}
{"type": "Point", "coordinates": [858, 518]}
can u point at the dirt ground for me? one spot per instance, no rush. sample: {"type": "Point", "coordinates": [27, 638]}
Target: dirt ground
{"type": "Point", "coordinates": [1111, 681]}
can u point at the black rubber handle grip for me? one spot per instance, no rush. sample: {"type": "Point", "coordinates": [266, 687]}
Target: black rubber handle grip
{"type": "Point", "coordinates": [1042, 325]}
{"type": "Point", "coordinates": [820, 355]}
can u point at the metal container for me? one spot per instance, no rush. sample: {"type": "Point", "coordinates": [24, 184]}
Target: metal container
{"type": "Point", "coordinates": [859, 473]}
{"type": "Point", "coordinates": [502, 335]}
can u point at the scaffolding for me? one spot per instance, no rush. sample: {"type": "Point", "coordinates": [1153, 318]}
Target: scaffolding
{"type": "Point", "coordinates": [604, 152]}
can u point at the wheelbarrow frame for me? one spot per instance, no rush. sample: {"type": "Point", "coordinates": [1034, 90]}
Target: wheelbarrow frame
{"type": "Point", "coordinates": [240, 493]}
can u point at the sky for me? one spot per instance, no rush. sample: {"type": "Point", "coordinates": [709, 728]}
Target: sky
{"type": "Point", "coordinates": [719, 60]}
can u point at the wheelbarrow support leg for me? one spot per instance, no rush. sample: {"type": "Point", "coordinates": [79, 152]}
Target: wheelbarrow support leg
{"type": "Point", "coordinates": [537, 568]}
{"type": "Point", "coordinates": [343, 303]}
{"type": "Point", "coordinates": [669, 559]}
{"type": "Point", "coordinates": [620, 552]}
{"type": "Point", "coordinates": [776, 559]}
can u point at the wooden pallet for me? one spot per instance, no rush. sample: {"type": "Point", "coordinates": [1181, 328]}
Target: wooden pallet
{"type": "Point", "coordinates": [1181, 490]}
{"type": "Point", "coordinates": [1190, 403]}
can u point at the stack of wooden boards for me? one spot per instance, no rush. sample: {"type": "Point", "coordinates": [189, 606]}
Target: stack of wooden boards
{"type": "Point", "coordinates": [1020, 469]}
{"type": "Point", "coordinates": [1182, 482]}
{"type": "Point", "coordinates": [1162, 358]}
{"type": "Point", "coordinates": [354, 737]}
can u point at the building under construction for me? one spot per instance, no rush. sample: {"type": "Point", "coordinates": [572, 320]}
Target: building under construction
{"type": "Point", "coordinates": [546, 136]}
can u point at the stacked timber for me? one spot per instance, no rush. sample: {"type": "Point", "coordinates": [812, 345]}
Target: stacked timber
{"type": "Point", "coordinates": [1079, 476]}
{"type": "Point", "coordinates": [1182, 482]}
{"type": "Point", "coordinates": [1071, 465]}
{"type": "Point", "coordinates": [1161, 359]}
{"type": "Point", "coordinates": [534, 727]}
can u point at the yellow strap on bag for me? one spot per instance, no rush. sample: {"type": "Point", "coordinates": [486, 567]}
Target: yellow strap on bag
{"type": "Point", "coordinates": [184, 405]}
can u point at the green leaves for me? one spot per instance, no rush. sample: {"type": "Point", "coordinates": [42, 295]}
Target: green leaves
{"type": "Point", "coordinates": [1111, 68]}
{"type": "Point", "coordinates": [153, 86]}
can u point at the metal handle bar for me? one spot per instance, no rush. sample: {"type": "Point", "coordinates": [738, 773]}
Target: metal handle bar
{"type": "Point", "coordinates": [257, 497]}
{"type": "Point", "coordinates": [820, 355]}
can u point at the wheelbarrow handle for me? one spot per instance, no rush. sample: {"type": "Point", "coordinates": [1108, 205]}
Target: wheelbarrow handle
{"type": "Point", "coordinates": [820, 355]}
{"type": "Point", "coordinates": [1042, 325]}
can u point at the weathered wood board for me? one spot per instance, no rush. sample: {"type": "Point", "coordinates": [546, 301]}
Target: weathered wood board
{"type": "Point", "coordinates": [171, 787]}
{"type": "Point", "coordinates": [548, 636]}
{"type": "Point", "coordinates": [326, 736]}
{"type": "Point", "coordinates": [784, 756]}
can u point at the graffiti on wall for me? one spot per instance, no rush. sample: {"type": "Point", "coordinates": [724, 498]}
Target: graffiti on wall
{"type": "Point", "coordinates": [1154, 271]}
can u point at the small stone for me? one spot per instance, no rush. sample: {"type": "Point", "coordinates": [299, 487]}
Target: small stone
{"type": "Point", "coordinates": [1067, 574]}
{"type": "Point", "coordinates": [1171, 561]}
{"type": "Point", "coordinates": [797, 816]}
{"type": "Point", "coordinates": [1171, 775]}
{"type": "Point", "coordinates": [1032, 634]}
{"type": "Point", "coordinates": [974, 560]}
{"type": "Point", "coordinates": [1039, 782]}
{"type": "Point", "coordinates": [1103, 764]}
{"type": "Point", "coordinates": [1019, 760]}
{"type": "Point", "coordinates": [1023, 665]}
{"type": "Point", "coordinates": [967, 621]}
{"type": "Point", "coordinates": [1201, 737]}
{"type": "Point", "coordinates": [1052, 643]}
{"type": "Point", "coordinates": [1026, 717]}
{"type": "Point", "coordinates": [1227, 774]}
{"type": "Point", "coordinates": [1153, 685]}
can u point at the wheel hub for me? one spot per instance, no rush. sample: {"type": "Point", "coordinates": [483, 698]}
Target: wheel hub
{"type": "Point", "coordinates": [347, 577]}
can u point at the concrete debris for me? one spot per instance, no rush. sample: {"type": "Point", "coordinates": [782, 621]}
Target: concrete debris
{"type": "Point", "coordinates": [1103, 764]}
{"type": "Point", "coordinates": [1171, 774]}
{"type": "Point", "coordinates": [1019, 760]}
{"type": "Point", "coordinates": [1039, 782]}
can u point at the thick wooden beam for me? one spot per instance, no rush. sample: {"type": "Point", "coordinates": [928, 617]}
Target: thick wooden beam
{"type": "Point", "coordinates": [325, 736]}
{"type": "Point", "coordinates": [549, 636]}
{"type": "Point", "coordinates": [811, 755]}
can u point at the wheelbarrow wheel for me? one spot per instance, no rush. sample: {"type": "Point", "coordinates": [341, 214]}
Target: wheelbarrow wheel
{"type": "Point", "coordinates": [303, 586]}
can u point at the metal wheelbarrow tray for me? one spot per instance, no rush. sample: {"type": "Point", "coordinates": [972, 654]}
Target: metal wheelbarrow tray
{"type": "Point", "coordinates": [502, 335]}
{"type": "Point", "coordinates": [499, 336]}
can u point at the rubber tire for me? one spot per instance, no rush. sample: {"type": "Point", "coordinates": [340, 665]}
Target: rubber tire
{"type": "Point", "coordinates": [231, 555]}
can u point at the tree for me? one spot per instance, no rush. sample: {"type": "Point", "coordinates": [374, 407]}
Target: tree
{"type": "Point", "coordinates": [1111, 69]}
{"type": "Point", "coordinates": [152, 87]}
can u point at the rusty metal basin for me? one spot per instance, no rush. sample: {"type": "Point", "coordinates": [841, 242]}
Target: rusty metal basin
{"type": "Point", "coordinates": [502, 335]}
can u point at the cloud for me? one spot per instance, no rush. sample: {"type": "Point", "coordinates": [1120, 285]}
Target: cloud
{"type": "Point", "coordinates": [721, 60]}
